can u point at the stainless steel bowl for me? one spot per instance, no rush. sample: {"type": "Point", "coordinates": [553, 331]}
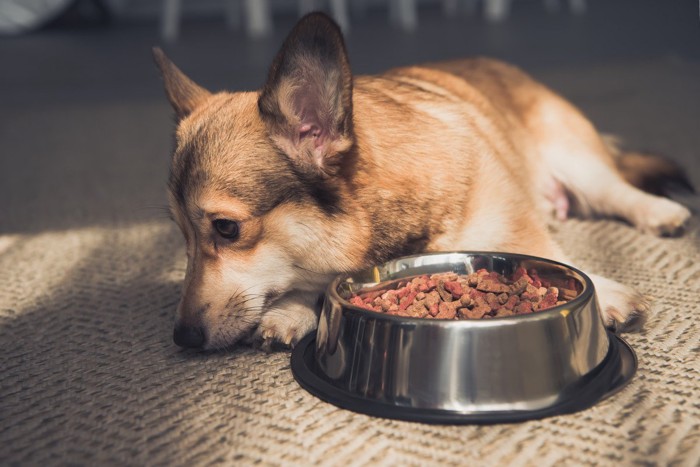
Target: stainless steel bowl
{"type": "Point", "coordinates": [498, 370]}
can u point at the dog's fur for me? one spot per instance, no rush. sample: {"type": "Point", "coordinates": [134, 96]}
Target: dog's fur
{"type": "Point", "coordinates": [327, 173]}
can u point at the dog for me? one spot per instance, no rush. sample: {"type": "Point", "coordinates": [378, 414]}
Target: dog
{"type": "Point", "coordinates": [321, 172]}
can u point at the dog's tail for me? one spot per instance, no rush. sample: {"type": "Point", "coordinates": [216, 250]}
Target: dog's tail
{"type": "Point", "coordinates": [652, 173]}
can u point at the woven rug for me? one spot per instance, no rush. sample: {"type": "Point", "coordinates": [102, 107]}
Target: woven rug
{"type": "Point", "coordinates": [88, 287]}
{"type": "Point", "coordinates": [90, 374]}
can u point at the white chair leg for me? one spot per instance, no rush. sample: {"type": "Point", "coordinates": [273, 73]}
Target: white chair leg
{"type": "Point", "coordinates": [170, 20]}
{"type": "Point", "coordinates": [393, 15]}
{"type": "Point", "coordinates": [496, 10]}
{"type": "Point", "coordinates": [233, 14]}
{"type": "Point", "coordinates": [403, 13]}
{"type": "Point", "coordinates": [258, 17]}
{"type": "Point", "coordinates": [578, 7]}
{"type": "Point", "coordinates": [339, 10]}
{"type": "Point", "coordinates": [552, 6]}
{"type": "Point", "coordinates": [449, 7]}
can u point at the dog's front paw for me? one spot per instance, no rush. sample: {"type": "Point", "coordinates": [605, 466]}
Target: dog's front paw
{"type": "Point", "coordinates": [286, 330]}
{"type": "Point", "coordinates": [664, 218]}
{"type": "Point", "coordinates": [623, 309]}
{"type": "Point", "coordinates": [286, 324]}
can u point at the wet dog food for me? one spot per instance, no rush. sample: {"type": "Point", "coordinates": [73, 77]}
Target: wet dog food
{"type": "Point", "coordinates": [479, 295]}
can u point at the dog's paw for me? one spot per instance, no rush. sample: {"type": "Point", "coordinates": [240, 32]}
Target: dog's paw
{"type": "Point", "coordinates": [664, 218]}
{"type": "Point", "coordinates": [285, 327]}
{"type": "Point", "coordinates": [623, 309]}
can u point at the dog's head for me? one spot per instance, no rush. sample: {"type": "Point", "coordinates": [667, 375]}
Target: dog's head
{"type": "Point", "coordinates": [253, 183]}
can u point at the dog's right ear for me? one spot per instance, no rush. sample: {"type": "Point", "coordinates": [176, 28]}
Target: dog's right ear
{"type": "Point", "coordinates": [306, 103]}
{"type": "Point", "coordinates": [183, 93]}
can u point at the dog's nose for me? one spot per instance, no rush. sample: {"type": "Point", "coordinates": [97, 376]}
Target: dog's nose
{"type": "Point", "coordinates": [189, 336]}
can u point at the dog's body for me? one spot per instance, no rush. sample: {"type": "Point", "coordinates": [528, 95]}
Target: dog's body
{"type": "Point", "coordinates": [320, 173]}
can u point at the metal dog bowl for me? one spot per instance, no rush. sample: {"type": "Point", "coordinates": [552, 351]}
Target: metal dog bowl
{"type": "Point", "coordinates": [467, 371]}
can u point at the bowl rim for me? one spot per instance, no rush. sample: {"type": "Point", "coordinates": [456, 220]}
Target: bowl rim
{"type": "Point", "coordinates": [586, 294]}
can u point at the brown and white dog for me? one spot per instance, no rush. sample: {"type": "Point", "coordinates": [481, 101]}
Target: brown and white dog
{"type": "Point", "coordinates": [322, 172]}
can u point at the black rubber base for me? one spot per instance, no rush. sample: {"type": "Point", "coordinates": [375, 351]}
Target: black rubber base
{"type": "Point", "coordinates": [616, 370]}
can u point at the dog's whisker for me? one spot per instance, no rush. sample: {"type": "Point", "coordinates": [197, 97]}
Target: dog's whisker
{"type": "Point", "coordinates": [239, 302]}
{"type": "Point", "coordinates": [309, 270]}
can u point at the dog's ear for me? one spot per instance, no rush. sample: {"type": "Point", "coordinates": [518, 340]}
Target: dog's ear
{"type": "Point", "coordinates": [307, 100]}
{"type": "Point", "coordinates": [183, 93]}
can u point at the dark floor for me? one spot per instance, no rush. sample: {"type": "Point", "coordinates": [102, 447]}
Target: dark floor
{"type": "Point", "coordinates": [85, 130]}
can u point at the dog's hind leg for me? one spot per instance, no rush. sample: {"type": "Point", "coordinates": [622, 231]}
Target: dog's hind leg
{"type": "Point", "coordinates": [584, 163]}
{"type": "Point", "coordinates": [622, 308]}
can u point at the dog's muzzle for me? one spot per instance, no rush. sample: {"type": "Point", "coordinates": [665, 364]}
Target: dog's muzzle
{"type": "Point", "coordinates": [189, 336]}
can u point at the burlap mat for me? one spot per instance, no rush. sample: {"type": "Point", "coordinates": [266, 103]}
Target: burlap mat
{"type": "Point", "coordinates": [90, 374]}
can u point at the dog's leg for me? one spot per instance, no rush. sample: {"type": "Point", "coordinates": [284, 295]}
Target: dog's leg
{"type": "Point", "coordinates": [577, 156]}
{"type": "Point", "coordinates": [288, 320]}
{"type": "Point", "coordinates": [599, 189]}
{"type": "Point", "coordinates": [622, 308]}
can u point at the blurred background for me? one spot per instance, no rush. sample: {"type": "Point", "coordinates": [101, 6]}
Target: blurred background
{"type": "Point", "coordinates": [91, 269]}
{"type": "Point", "coordinates": [85, 130]}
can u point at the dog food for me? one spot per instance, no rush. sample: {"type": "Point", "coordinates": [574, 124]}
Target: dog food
{"type": "Point", "coordinates": [479, 295]}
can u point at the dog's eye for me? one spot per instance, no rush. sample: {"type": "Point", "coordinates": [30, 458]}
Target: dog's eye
{"type": "Point", "coordinates": [226, 228]}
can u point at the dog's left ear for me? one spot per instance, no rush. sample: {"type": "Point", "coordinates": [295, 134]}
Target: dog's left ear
{"type": "Point", "coordinates": [183, 93]}
{"type": "Point", "coordinates": [307, 100]}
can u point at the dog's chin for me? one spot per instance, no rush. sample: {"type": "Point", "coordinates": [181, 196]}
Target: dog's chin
{"type": "Point", "coordinates": [256, 340]}
{"type": "Point", "coordinates": [253, 338]}
{"type": "Point", "coordinates": [227, 339]}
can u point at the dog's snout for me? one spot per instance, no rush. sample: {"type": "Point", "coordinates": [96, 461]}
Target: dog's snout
{"type": "Point", "coordinates": [189, 336]}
